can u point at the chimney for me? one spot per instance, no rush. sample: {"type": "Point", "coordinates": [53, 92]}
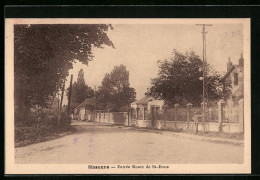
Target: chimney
{"type": "Point", "coordinates": [229, 64]}
{"type": "Point", "coordinates": [241, 61]}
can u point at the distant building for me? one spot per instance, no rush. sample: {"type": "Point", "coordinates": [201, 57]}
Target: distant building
{"type": "Point", "coordinates": [147, 102]}
{"type": "Point", "coordinates": [84, 110]}
{"type": "Point", "coordinates": [143, 105]}
{"type": "Point", "coordinates": [235, 76]}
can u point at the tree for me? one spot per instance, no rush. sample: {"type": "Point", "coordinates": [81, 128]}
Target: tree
{"type": "Point", "coordinates": [43, 55]}
{"type": "Point", "coordinates": [226, 88]}
{"type": "Point", "coordinates": [115, 91]}
{"type": "Point", "coordinates": [80, 90]}
{"type": "Point", "coordinates": [179, 81]}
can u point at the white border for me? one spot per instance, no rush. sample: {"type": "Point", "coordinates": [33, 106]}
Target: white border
{"type": "Point", "coordinates": [12, 168]}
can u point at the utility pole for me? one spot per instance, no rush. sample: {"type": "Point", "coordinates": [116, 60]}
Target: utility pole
{"type": "Point", "coordinates": [95, 97]}
{"type": "Point", "coordinates": [60, 105]}
{"type": "Point", "coordinates": [95, 103]}
{"type": "Point", "coordinates": [68, 110]}
{"type": "Point", "coordinates": [58, 100]}
{"type": "Point", "coordinates": [63, 87]}
{"type": "Point", "coordinates": [204, 57]}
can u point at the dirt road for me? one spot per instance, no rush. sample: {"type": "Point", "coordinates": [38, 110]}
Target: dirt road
{"type": "Point", "coordinates": [97, 144]}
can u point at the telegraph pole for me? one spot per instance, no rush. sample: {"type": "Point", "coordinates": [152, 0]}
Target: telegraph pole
{"type": "Point", "coordinates": [68, 110]}
{"type": "Point", "coordinates": [63, 87]}
{"type": "Point", "coordinates": [204, 60]}
{"type": "Point", "coordinates": [95, 112]}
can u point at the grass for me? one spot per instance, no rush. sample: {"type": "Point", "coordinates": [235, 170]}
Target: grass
{"type": "Point", "coordinates": [29, 135]}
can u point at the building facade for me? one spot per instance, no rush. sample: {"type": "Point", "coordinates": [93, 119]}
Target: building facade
{"type": "Point", "coordinates": [234, 79]}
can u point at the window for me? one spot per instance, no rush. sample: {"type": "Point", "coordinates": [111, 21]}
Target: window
{"type": "Point", "coordinates": [235, 79]}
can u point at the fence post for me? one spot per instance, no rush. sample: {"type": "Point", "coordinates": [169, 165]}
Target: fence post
{"type": "Point", "coordinates": [176, 106]}
{"type": "Point", "coordinates": [108, 115]}
{"type": "Point", "coordinates": [241, 114]}
{"type": "Point", "coordinates": [99, 113]}
{"type": "Point", "coordinates": [189, 106]}
{"type": "Point", "coordinates": [102, 112]}
{"type": "Point", "coordinates": [128, 115]}
{"type": "Point", "coordinates": [220, 114]}
{"type": "Point", "coordinates": [143, 113]}
{"type": "Point", "coordinates": [131, 113]}
{"type": "Point", "coordinates": [136, 113]}
{"type": "Point", "coordinates": [165, 108]}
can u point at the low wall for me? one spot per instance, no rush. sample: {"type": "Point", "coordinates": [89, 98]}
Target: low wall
{"type": "Point", "coordinates": [209, 126]}
{"type": "Point", "coordinates": [120, 118]}
{"type": "Point", "coordinates": [230, 128]}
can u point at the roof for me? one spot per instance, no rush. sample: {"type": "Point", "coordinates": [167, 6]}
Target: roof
{"type": "Point", "coordinates": [88, 101]}
{"type": "Point", "coordinates": [229, 72]}
{"type": "Point", "coordinates": [143, 100]}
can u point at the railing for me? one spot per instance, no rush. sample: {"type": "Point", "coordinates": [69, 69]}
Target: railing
{"type": "Point", "coordinates": [181, 114]}
{"type": "Point", "coordinates": [212, 115]}
{"type": "Point", "coordinates": [147, 115]}
{"type": "Point", "coordinates": [159, 115]}
{"type": "Point", "coordinates": [170, 115]}
{"type": "Point", "coordinates": [230, 115]}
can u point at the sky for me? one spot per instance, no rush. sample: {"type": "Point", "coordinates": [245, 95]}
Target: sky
{"type": "Point", "coordinates": [140, 46]}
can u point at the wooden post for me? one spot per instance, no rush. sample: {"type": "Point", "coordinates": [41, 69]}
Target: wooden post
{"type": "Point", "coordinates": [220, 114]}
{"type": "Point", "coordinates": [241, 114]}
{"type": "Point", "coordinates": [70, 94]}
{"type": "Point", "coordinates": [204, 107]}
{"type": "Point", "coordinates": [128, 116]}
{"type": "Point", "coordinates": [61, 100]}
{"type": "Point", "coordinates": [60, 106]}
{"type": "Point", "coordinates": [58, 100]}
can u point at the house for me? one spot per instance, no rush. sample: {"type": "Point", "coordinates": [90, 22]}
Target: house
{"type": "Point", "coordinates": [83, 110]}
{"type": "Point", "coordinates": [235, 76]}
{"type": "Point", "coordinates": [145, 104]}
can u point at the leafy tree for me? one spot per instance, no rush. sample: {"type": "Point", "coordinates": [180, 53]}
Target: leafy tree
{"type": "Point", "coordinates": [43, 55]}
{"type": "Point", "coordinates": [80, 91]}
{"type": "Point", "coordinates": [179, 81]}
{"type": "Point", "coordinates": [115, 91]}
{"type": "Point", "coordinates": [226, 88]}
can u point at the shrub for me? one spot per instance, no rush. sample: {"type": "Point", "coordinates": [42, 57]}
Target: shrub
{"type": "Point", "coordinates": [65, 120]}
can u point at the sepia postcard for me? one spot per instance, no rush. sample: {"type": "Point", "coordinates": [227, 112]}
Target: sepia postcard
{"type": "Point", "coordinates": [127, 96]}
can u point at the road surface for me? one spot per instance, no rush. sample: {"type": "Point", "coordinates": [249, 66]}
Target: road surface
{"type": "Point", "coordinates": [96, 144]}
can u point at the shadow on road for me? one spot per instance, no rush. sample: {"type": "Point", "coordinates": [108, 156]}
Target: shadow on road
{"type": "Point", "coordinates": [89, 127]}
